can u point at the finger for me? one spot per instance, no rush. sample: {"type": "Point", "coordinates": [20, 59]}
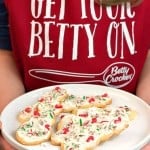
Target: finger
{"type": "Point", "coordinates": [4, 145]}
{"type": "Point", "coordinates": [147, 147]}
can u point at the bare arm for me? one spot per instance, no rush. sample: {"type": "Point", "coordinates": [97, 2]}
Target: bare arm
{"type": "Point", "coordinates": [143, 88]}
{"type": "Point", "coordinates": [11, 85]}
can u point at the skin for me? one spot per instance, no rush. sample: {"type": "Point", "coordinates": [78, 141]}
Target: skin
{"type": "Point", "coordinates": [10, 78]}
{"type": "Point", "coordinates": [11, 83]}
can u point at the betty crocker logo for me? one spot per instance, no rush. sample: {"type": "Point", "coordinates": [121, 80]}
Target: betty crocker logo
{"type": "Point", "coordinates": [119, 74]}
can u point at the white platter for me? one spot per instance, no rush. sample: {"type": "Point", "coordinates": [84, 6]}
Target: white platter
{"type": "Point", "coordinates": [133, 138]}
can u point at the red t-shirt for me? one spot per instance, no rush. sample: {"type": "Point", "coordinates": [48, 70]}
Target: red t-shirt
{"type": "Point", "coordinates": [78, 41]}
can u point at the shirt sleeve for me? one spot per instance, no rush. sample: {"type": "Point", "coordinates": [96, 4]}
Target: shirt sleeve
{"type": "Point", "coordinates": [4, 28]}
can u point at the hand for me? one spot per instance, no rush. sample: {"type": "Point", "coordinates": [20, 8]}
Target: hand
{"type": "Point", "coordinates": [4, 145]}
{"type": "Point", "coordinates": [147, 147]}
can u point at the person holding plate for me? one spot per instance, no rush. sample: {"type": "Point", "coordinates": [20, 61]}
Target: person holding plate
{"type": "Point", "coordinates": [52, 42]}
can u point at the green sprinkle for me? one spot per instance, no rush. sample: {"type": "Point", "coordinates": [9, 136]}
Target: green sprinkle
{"type": "Point", "coordinates": [84, 97]}
{"type": "Point", "coordinates": [80, 122]}
{"type": "Point", "coordinates": [51, 115]}
{"type": "Point", "coordinates": [72, 96]}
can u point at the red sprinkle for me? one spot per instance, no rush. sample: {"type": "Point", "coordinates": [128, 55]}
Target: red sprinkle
{"type": "Point", "coordinates": [36, 112]}
{"type": "Point", "coordinates": [104, 95]}
{"type": "Point", "coordinates": [65, 130]}
{"type": "Point", "coordinates": [57, 88]}
{"type": "Point", "coordinates": [47, 126]}
{"type": "Point", "coordinates": [91, 100]}
{"type": "Point", "coordinates": [58, 106]}
{"type": "Point", "coordinates": [28, 109]}
{"type": "Point", "coordinates": [84, 115]}
{"type": "Point", "coordinates": [117, 120]}
{"type": "Point", "coordinates": [94, 120]}
{"type": "Point", "coordinates": [90, 138]}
